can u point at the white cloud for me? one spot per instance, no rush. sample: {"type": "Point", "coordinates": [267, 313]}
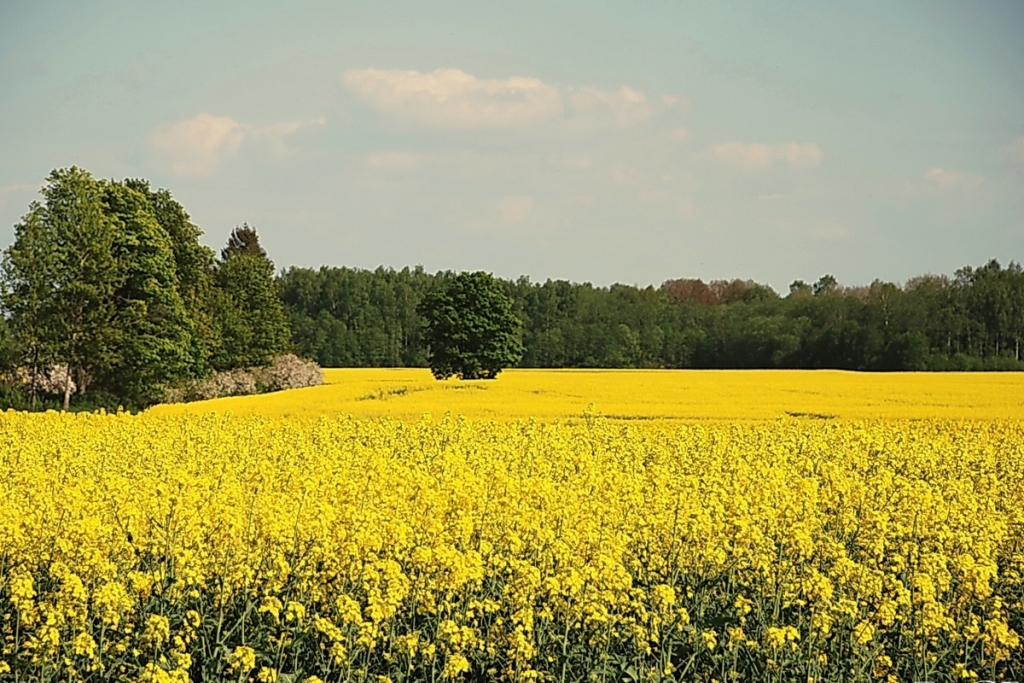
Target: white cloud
{"type": "Point", "coordinates": [828, 233]}
{"type": "Point", "coordinates": [452, 97]}
{"type": "Point", "coordinates": [625, 104]}
{"type": "Point", "coordinates": [392, 159]}
{"type": "Point", "coordinates": [1017, 147]}
{"type": "Point", "coordinates": [946, 179]}
{"type": "Point", "coordinates": [756, 155]}
{"type": "Point", "coordinates": [287, 128]}
{"type": "Point", "coordinates": [516, 208]}
{"type": "Point", "coordinates": [938, 181]}
{"type": "Point", "coordinates": [678, 135]}
{"type": "Point", "coordinates": [196, 146]}
{"type": "Point", "coordinates": [626, 175]}
{"type": "Point", "coordinates": [670, 200]}
{"type": "Point", "coordinates": [573, 162]}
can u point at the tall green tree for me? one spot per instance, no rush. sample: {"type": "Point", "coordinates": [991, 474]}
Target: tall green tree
{"type": "Point", "coordinates": [60, 275]}
{"type": "Point", "coordinates": [995, 297]}
{"type": "Point", "coordinates": [157, 343]}
{"type": "Point", "coordinates": [27, 270]}
{"type": "Point", "coordinates": [194, 267]}
{"type": "Point", "coordinates": [252, 323]}
{"type": "Point", "coordinates": [471, 330]}
{"type": "Point", "coordinates": [346, 317]}
{"type": "Point", "coordinates": [8, 351]}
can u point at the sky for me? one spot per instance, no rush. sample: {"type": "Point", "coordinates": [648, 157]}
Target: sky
{"type": "Point", "coordinates": [605, 142]}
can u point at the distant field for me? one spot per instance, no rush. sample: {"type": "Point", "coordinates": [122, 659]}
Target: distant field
{"type": "Point", "coordinates": [642, 395]}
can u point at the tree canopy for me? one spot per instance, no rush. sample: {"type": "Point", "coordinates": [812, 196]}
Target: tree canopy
{"type": "Point", "coordinates": [249, 313]}
{"type": "Point", "coordinates": [971, 321]}
{"type": "Point", "coordinates": [107, 287]}
{"type": "Point", "coordinates": [61, 275]}
{"type": "Point", "coordinates": [470, 328]}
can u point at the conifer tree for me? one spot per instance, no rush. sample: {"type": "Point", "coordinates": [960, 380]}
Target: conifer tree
{"type": "Point", "coordinates": [249, 312]}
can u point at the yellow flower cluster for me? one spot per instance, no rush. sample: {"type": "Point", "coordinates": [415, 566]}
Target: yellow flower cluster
{"type": "Point", "coordinates": [174, 548]}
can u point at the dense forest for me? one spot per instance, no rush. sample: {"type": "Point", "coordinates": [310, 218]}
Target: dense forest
{"type": "Point", "coordinates": [973, 320]}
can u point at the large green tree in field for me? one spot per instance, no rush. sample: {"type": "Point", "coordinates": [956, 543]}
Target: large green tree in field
{"type": "Point", "coordinates": [471, 330]}
{"type": "Point", "coordinates": [60, 275]}
{"type": "Point", "coordinates": [90, 283]}
{"type": "Point", "coordinates": [107, 289]}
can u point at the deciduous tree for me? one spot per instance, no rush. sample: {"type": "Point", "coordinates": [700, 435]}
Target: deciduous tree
{"type": "Point", "coordinates": [60, 276]}
{"type": "Point", "coordinates": [156, 342]}
{"type": "Point", "coordinates": [471, 330]}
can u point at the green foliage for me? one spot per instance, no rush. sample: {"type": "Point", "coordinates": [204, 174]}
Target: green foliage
{"type": "Point", "coordinates": [826, 284]}
{"type": "Point", "coordinates": [248, 311]}
{"type": "Point", "coordinates": [349, 317]}
{"type": "Point", "coordinates": [60, 276]}
{"type": "Point", "coordinates": [157, 342]}
{"type": "Point", "coordinates": [90, 283]}
{"type": "Point", "coordinates": [109, 280]}
{"type": "Point", "coordinates": [8, 350]}
{"type": "Point", "coordinates": [344, 317]}
{"type": "Point", "coordinates": [471, 330]}
{"type": "Point", "coordinates": [194, 264]}
{"type": "Point", "coordinates": [243, 241]}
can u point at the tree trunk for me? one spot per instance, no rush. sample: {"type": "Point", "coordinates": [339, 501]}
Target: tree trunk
{"type": "Point", "coordinates": [82, 382]}
{"type": "Point", "coordinates": [67, 390]}
{"type": "Point", "coordinates": [35, 376]}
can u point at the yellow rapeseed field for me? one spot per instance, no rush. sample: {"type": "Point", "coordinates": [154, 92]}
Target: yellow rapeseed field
{"type": "Point", "coordinates": [717, 539]}
{"type": "Point", "coordinates": [641, 394]}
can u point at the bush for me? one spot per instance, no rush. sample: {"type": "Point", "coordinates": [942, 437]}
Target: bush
{"type": "Point", "coordinates": [286, 372]}
{"type": "Point", "coordinates": [960, 362]}
{"type": "Point", "coordinates": [12, 397]}
{"type": "Point", "coordinates": [19, 397]}
{"type": "Point", "coordinates": [48, 380]}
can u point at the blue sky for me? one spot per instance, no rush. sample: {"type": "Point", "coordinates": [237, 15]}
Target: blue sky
{"type": "Point", "coordinates": [604, 142]}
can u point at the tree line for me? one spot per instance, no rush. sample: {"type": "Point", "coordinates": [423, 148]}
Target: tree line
{"type": "Point", "coordinates": [108, 294]}
{"type": "Point", "coordinates": [973, 320]}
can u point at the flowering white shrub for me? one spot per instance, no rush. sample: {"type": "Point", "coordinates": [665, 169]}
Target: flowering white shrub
{"type": "Point", "coordinates": [231, 383]}
{"type": "Point", "coordinates": [286, 372]}
{"type": "Point", "coordinates": [47, 380]}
